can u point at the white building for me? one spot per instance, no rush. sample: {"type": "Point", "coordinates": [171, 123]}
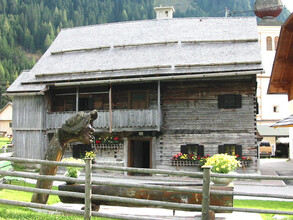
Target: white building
{"type": "Point", "coordinates": [271, 107]}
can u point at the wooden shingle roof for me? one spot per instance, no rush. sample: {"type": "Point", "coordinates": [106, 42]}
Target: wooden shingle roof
{"type": "Point", "coordinates": [147, 49]}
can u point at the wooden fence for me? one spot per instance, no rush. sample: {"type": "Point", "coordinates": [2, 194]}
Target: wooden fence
{"type": "Point", "coordinates": [88, 196]}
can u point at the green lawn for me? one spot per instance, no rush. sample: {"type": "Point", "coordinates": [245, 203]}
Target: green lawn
{"type": "Point", "coordinates": [3, 141]}
{"type": "Point", "coordinates": [19, 213]}
{"type": "Point", "coordinates": [261, 204]}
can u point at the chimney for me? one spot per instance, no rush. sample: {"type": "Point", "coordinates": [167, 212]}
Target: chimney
{"type": "Point", "coordinates": [165, 12]}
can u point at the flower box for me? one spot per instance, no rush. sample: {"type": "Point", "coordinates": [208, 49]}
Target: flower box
{"type": "Point", "coordinates": [108, 146]}
{"type": "Point", "coordinates": [184, 163]}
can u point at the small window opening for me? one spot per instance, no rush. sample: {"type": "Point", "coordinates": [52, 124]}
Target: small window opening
{"type": "Point", "coordinates": [276, 42]}
{"type": "Point", "coordinates": [276, 109]}
{"type": "Point", "coordinates": [269, 44]}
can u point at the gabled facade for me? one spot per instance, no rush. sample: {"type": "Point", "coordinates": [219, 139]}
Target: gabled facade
{"type": "Point", "coordinates": [161, 87]}
{"type": "Point", "coordinates": [281, 79]}
{"type": "Point", "coordinates": [6, 119]}
{"type": "Point", "coordinates": [271, 107]}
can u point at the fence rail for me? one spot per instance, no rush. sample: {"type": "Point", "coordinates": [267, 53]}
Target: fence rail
{"type": "Point", "coordinates": [206, 190]}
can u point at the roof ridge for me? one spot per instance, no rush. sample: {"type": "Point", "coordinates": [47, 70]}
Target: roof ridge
{"type": "Point", "coordinates": [153, 20]}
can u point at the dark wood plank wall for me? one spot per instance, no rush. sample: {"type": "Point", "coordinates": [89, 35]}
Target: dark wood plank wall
{"type": "Point", "coordinates": [191, 115]}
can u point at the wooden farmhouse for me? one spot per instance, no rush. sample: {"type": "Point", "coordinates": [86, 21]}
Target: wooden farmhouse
{"type": "Point", "coordinates": [6, 120]}
{"type": "Point", "coordinates": [161, 87]}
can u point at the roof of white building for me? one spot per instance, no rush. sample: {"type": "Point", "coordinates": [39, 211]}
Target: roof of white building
{"type": "Point", "coordinates": [148, 48]}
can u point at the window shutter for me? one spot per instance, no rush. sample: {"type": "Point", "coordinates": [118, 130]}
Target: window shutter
{"type": "Point", "coordinates": [238, 101]}
{"type": "Point", "coordinates": [200, 150]}
{"type": "Point", "coordinates": [238, 150]}
{"type": "Point", "coordinates": [184, 149]}
{"type": "Point", "coordinates": [229, 101]}
{"type": "Point", "coordinates": [221, 149]}
{"type": "Point", "coordinates": [221, 101]}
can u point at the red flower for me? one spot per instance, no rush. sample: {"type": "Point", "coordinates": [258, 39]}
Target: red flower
{"type": "Point", "coordinates": [97, 141]}
{"type": "Point", "coordinates": [237, 155]}
{"type": "Point", "coordinates": [116, 138]}
{"type": "Point", "coordinates": [208, 155]}
{"type": "Point", "coordinates": [179, 154]}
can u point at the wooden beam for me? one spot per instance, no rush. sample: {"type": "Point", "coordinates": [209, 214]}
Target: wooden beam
{"type": "Point", "coordinates": [77, 98]}
{"type": "Point", "coordinates": [289, 27]}
{"type": "Point", "coordinates": [159, 105]}
{"type": "Point", "coordinates": [110, 109]}
{"type": "Point", "coordinates": [290, 91]}
{"type": "Point", "coordinates": [285, 61]}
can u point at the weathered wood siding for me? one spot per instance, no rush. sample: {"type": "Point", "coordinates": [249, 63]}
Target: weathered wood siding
{"type": "Point", "coordinates": [191, 115]}
{"type": "Point", "coordinates": [28, 126]}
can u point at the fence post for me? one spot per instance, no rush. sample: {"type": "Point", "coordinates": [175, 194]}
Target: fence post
{"type": "Point", "coordinates": [88, 189]}
{"type": "Point", "coordinates": [206, 192]}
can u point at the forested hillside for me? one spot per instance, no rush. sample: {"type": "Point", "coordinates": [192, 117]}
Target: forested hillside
{"type": "Point", "coordinates": [28, 27]}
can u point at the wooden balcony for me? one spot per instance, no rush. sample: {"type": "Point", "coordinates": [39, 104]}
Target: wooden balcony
{"type": "Point", "coordinates": [122, 120]}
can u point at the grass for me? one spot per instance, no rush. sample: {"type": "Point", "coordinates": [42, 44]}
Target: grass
{"type": "Point", "coordinates": [19, 213]}
{"type": "Point", "coordinates": [4, 141]}
{"type": "Point", "coordinates": [261, 204]}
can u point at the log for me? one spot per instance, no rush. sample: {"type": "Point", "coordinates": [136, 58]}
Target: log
{"type": "Point", "coordinates": [146, 194]}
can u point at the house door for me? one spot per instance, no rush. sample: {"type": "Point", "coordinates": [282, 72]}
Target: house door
{"type": "Point", "coordinates": [139, 154]}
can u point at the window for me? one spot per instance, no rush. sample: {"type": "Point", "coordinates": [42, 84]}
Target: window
{"type": "Point", "coordinates": [269, 43]}
{"type": "Point", "coordinates": [276, 109]}
{"type": "Point", "coordinates": [229, 101]}
{"type": "Point", "coordinates": [276, 42]}
{"type": "Point", "coordinates": [10, 124]}
{"type": "Point", "coordinates": [230, 149]}
{"type": "Point", "coordinates": [194, 149]}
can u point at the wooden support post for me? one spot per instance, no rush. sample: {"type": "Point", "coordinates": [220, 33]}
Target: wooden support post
{"type": "Point", "coordinates": [110, 109]}
{"type": "Point", "coordinates": [88, 189]}
{"type": "Point", "coordinates": [159, 105]}
{"type": "Point", "coordinates": [206, 192]}
{"type": "Point", "coordinates": [77, 98]}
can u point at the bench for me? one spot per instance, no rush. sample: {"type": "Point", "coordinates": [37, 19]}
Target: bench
{"type": "Point", "coordinates": [7, 166]}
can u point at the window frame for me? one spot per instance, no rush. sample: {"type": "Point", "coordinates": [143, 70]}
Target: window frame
{"type": "Point", "coordinates": [238, 149]}
{"type": "Point", "coordinates": [269, 43]}
{"type": "Point", "coordinates": [187, 149]}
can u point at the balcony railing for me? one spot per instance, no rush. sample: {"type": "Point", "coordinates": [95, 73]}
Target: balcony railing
{"type": "Point", "coordinates": [128, 119]}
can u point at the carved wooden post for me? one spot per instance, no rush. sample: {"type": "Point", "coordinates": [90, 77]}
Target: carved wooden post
{"type": "Point", "coordinates": [206, 192]}
{"type": "Point", "coordinates": [88, 189]}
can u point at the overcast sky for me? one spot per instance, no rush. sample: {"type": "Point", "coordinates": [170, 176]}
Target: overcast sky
{"type": "Point", "coordinates": [289, 4]}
